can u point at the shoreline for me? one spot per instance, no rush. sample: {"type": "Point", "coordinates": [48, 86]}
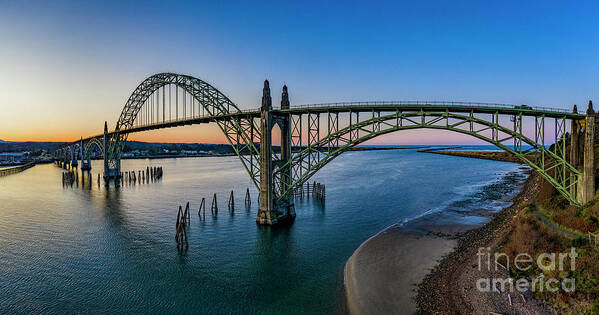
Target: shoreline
{"type": "Point", "coordinates": [411, 268]}
{"type": "Point", "coordinates": [451, 287]}
{"type": "Point", "coordinates": [370, 291]}
{"type": "Point", "coordinates": [485, 155]}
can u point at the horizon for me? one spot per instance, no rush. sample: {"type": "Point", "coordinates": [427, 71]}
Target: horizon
{"type": "Point", "coordinates": [208, 143]}
{"type": "Point", "coordinates": [342, 157]}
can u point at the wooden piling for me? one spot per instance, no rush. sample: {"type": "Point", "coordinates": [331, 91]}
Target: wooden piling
{"type": "Point", "coordinates": [214, 208]}
{"type": "Point", "coordinates": [181, 233]}
{"type": "Point", "coordinates": [202, 210]}
{"type": "Point", "coordinates": [231, 202]}
{"type": "Point", "coordinates": [179, 214]}
{"type": "Point", "coordinates": [186, 214]}
{"type": "Point", "coordinates": [248, 199]}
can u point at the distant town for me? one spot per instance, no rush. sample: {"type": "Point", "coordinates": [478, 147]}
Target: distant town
{"type": "Point", "coordinates": [18, 153]}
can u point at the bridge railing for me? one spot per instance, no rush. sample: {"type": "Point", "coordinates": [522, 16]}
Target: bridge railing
{"type": "Point", "coordinates": [188, 118]}
{"type": "Point", "coordinates": [432, 103]}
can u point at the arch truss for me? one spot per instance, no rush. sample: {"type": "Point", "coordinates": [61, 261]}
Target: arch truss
{"type": "Point", "coordinates": [314, 135]}
{"type": "Point", "coordinates": [170, 99]}
{"type": "Point", "coordinates": [320, 135]}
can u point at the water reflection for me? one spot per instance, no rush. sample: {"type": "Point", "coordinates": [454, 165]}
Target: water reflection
{"type": "Point", "coordinates": [87, 247]}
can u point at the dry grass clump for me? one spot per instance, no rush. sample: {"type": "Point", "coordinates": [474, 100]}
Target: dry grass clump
{"type": "Point", "coordinates": [530, 235]}
{"type": "Point", "coordinates": [575, 218]}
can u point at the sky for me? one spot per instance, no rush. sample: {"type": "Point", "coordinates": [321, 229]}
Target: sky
{"type": "Point", "coordinates": [68, 66]}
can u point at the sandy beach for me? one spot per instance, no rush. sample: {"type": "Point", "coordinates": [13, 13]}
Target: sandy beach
{"type": "Point", "coordinates": [382, 275]}
{"type": "Point", "coordinates": [385, 275]}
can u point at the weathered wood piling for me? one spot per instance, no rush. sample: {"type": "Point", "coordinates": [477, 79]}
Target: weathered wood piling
{"type": "Point", "coordinates": [186, 214]}
{"type": "Point", "coordinates": [248, 199]}
{"type": "Point", "coordinates": [214, 208]}
{"type": "Point", "coordinates": [202, 210]}
{"type": "Point", "coordinates": [317, 190]}
{"type": "Point", "coordinates": [231, 202]}
{"type": "Point", "coordinates": [181, 232]}
{"type": "Point", "coordinates": [150, 174]}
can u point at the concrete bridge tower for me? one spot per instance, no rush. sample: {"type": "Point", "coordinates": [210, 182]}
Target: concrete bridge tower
{"type": "Point", "coordinates": [73, 156]}
{"type": "Point", "coordinates": [110, 173]}
{"type": "Point", "coordinates": [588, 192]}
{"type": "Point", "coordinates": [106, 168]}
{"type": "Point", "coordinates": [582, 155]}
{"type": "Point", "coordinates": [273, 211]}
{"type": "Point", "coordinates": [85, 161]}
{"type": "Point", "coordinates": [575, 128]}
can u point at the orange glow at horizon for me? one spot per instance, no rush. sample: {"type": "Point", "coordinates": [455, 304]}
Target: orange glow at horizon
{"type": "Point", "coordinates": [212, 134]}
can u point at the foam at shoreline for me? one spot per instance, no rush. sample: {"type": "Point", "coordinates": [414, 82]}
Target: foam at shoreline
{"type": "Point", "coordinates": [382, 274]}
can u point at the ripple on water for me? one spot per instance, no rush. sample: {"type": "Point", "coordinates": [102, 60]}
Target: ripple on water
{"type": "Point", "coordinates": [104, 250]}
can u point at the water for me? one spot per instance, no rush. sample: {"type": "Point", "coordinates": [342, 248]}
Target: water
{"type": "Point", "coordinates": [91, 249]}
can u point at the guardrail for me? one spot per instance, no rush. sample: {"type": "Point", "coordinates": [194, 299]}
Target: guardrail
{"type": "Point", "coordinates": [360, 104]}
{"type": "Point", "coordinates": [434, 103]}
{"type": "Point", "coordinates": [16, 169]}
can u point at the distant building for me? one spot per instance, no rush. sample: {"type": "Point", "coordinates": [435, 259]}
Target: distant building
{"type": "Point", "coordinates": [8, 158]}
{"type": "Point", "coordinates": [13, 155]}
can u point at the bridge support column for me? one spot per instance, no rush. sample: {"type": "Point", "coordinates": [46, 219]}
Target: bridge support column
{"type": "Point", "coordinates": [85, 165]}
{"type": "Point", "coordinates": [272, 211]}
{"type": "Point", "coordinates": [109, 173]}
{"type": "Point", "coordinates": [73, 157]}
{"type": "Point", "coordinates": [575, 153]}
{"type": "Point", "coordinates": [285, 124]}
{"type": "Point", "coordinates": [588, 191]}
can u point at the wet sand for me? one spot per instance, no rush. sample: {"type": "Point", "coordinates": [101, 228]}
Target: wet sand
{"type": "Point", "coordinates": [382, 275]}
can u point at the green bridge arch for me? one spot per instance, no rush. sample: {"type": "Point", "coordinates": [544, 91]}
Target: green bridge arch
{"type": "Point", "coordinates": [305, 149]}
{"type": "Point", "coordinates": [551, 165]}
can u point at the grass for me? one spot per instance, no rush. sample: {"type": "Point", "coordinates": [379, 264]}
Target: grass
{"type": "Point", "coordinates": [530, 235]}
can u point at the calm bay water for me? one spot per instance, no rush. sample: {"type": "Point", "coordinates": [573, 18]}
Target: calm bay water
{"type": "Point", "coordinates": [91, 249]}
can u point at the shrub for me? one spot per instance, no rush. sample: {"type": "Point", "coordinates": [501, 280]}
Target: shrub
{"type": "Point", "coordinates": [580, 241]}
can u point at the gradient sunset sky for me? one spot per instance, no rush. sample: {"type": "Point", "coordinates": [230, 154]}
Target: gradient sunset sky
{"type": "Point", "coordinates": [67, 66]}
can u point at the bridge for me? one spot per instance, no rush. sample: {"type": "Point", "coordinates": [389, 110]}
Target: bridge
{"type": "Point", "coordinates": [313, 135]}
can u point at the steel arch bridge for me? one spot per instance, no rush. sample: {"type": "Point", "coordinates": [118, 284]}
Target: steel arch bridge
{"type": "Point", "coordinates": [313, 135]}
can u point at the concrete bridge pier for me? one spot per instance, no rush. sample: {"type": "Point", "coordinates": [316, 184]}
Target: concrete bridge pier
{"type": "Point", "coordinates": [582, 155]}
{"type": "Point", "coordinates": [85, 164]}
{"type": "Point", "coordinates": [110, 173]}
{"type": "Point", "coordinates": [65, 160]}
{"type": "Point", "coordinates": [588, 191]}
{"type": "Point", "coordinates": [271, 211]}
{"type": "Point", "coordinates": [575, 153]}
{"type": "Point", "coordinates": [73, 157]}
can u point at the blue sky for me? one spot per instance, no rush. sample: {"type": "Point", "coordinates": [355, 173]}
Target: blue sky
{"type": "Point", "coordinates": [73, 64]}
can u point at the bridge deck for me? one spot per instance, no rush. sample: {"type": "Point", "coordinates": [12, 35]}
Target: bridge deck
{"type": "Point", "coordinates": [435, 106]}
{"type": "Point", "coordinates": [463, 107]}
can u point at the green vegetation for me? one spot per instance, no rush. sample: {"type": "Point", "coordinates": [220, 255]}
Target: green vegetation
{"type": "Point", "coordinates": [531, 235]}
